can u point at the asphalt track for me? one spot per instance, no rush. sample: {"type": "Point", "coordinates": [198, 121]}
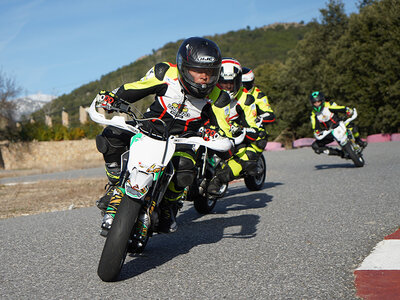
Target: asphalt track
{"type": "Point", "coordinates": [301, 237]}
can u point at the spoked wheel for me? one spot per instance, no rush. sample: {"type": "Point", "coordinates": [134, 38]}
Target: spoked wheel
{"type": "Point", "coordinates": [116, 245]}
{"type": "Point", "coordinates": [255, 183]}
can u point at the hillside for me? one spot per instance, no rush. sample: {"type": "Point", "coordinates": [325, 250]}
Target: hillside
{"type": "Point", "coordinates": [268, 45]}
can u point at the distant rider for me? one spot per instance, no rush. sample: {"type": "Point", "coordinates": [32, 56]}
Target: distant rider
{"type": "Point", "coordinates": [324, 116]}
{"type": "Point", "coordinates": [264, 109]}
{"type": "Point", "coordinates": [186, 98]}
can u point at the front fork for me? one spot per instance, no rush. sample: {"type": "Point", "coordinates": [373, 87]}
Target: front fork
{"type": "Point", "coordinates": [352, 140]}
{"type": "Point", "coordinates": [148, 216]}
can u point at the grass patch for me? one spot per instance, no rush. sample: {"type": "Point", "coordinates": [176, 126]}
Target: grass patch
{"type": "Point", "coordinates": [47, 196]}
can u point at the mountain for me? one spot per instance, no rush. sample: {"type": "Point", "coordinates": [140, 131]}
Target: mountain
{"type": "Point", "coordinates": [27, 105]}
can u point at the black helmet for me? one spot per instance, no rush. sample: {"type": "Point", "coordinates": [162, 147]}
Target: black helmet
{"type": "Point", "coordinates": [200, 53]}
{"type": "Point", "coordinates": [231, 71]}
{"type": "Point", "coordinates": [247, 78]}
{"type": "Point", "coordinates": [315, 97]}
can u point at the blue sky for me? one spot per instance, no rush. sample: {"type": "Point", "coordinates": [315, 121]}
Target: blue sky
{"type": "Point", "coordinates": [55, 46]}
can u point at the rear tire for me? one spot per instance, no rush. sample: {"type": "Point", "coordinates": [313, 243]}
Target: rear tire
{"type": "Point", "coordinates": [116, 245]}
{"type": "Point", "coordinates": [255, 183]}
{"type": "Point", "coordinates": [357, 159]}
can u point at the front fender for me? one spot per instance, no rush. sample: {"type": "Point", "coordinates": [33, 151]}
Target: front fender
{"type": "Point", "coordinates": [340, 134]}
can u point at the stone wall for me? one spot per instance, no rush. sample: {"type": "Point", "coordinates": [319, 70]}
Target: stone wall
{"type": "Point", "coordinates": [60, 155]}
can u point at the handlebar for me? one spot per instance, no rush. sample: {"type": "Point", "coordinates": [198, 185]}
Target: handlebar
{"type": "Point", "coordinates": [117, 121]}
{"type": "Point", "coordinates": [347, 121]}
{"type": "Point", "coordinates": [239, 139]}
{"type": "Point", "coordinates": [222, 144]}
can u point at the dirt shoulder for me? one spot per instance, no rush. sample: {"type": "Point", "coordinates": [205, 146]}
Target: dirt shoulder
{"type": "Point", "coordinates": [47, 196]}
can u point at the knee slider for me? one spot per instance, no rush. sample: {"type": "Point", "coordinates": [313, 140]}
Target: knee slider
{"type": "Point", "coordinates": [185, 178]}
{"type": "Point", "coordinates": [225, 174]}
{"type": "Point", "coordinates": [101, 144]}
{"type": "Point", "coordinates": [316, 148]}
{"type": "Point", "coordinates": [185, 170]}
{"type": "Point", "coordinates": [250, 167]}
{"type": "Point", "coordinates": [261, 144]}
{"type": "Point", "coordinates": [252, 156]}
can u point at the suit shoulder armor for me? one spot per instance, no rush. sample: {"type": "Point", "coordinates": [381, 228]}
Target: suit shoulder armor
{"type": "Point", "coordinates": [260, 95]}
{"type": "Point", "coordinates": [249, 100]}
{"type": "Point", "coordinates": [223, 99]}
{"type": "Point", "coordinates": [160, 69]}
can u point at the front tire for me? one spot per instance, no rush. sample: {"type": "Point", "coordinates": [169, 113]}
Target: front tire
{"type": "Point", "coordinates": [255, 183]}
{"type": "Point", "coordinates": [116, 245]}
{"type": "Point", "coordinates": [204, 205]}
{"type": "Point", "coordinates": [357, 159]}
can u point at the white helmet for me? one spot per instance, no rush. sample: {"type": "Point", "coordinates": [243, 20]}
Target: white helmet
{"type": "Point", "coordinates": [248, 79]}
{"type": "Point", "coordinates": [231, 72]}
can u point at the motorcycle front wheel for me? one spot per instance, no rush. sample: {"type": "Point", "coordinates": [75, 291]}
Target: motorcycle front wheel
{"type": "Point", "coordinates": [357, 159]}
{"type": "Point", "coordinates": [204, 204]}
{"type": "Point", "coordinates": [116, 245]}
{"type": "Point", "coordinates": [255, 183]}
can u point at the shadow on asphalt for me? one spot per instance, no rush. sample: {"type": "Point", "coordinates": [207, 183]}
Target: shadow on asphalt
{"type": "Point", "coordinates": [193, 231]}
{"type": "Point", "coordinates": [334, 166]}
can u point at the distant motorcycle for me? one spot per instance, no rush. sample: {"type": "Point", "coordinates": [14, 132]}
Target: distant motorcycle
{"type": "Point", "coordinates": [345, 138]}
{"type": "Point", "coordinates": [146, 170]}
{"type": "Point", "coordinates": [206, 164]}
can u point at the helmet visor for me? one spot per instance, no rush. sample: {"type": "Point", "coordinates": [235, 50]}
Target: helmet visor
{"type": "Point", "coordinates": [207, 76]}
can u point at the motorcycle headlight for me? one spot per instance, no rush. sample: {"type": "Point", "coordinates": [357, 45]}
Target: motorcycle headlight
{"type": "Point", "coordinates": [135, 191]}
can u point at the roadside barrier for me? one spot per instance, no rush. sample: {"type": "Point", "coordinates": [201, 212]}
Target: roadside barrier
{"type": "Point", "coordinates": [378, 138]}
{"type": "Point", "coordinates": [274, 146]}
{"type": "Point", "coordinates": [303, 142]}
{"type": "Point", "coordinates": [395, 137]}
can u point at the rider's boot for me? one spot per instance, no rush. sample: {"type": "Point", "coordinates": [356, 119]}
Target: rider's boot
{"type": "Point", "coordinates": [361, 143]}
{"type": "Point", "coordinates": [222, 176]}
{"type": "Point", "coordinates": [168, 211]}
{"type": "Point", "coordinates": [332, 151]}
{"type": "Point", "coordinates": [111, 211]}
{"type": "Point", "coordinates": [113, 172]}
{"type": "Point", "coordinates": [104, 200]}
{"type": "Point", "coordinates": [344, 154]}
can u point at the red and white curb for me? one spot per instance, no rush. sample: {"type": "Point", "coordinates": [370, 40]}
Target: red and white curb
{"type": "Point", "coordinates": [378, 277]}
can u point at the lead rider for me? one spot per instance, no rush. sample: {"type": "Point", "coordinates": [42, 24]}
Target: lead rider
{"type": "Point", "coordinates": [186, 98]}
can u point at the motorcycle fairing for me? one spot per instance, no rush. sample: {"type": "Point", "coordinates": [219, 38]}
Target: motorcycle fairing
{"type": "Point", "coordinates": [146, 153]}
{"type": "Point", "coordinates": [340, 133]}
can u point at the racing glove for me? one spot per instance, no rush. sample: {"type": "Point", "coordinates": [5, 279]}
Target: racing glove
{"type": "Point", "coordinates": [111, 102]}
{"type": "Point", "coordinates": [349, 111]}
{"type": "Point", "coordinates": [251, 134]}
{"type": "Point", "coordinates": [210, 132]}
{"type": "Point", "coordinates": [235, 130]}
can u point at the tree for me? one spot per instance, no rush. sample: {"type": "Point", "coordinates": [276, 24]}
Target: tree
{"type": "Point", "coordinates": [8, 91]}
{"type": "Point", "coordinates": [304, 70]}
{"type": "Point", "coordinates": [364, 66]}
{"type": "Point", "coordinates": [363, 3]}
